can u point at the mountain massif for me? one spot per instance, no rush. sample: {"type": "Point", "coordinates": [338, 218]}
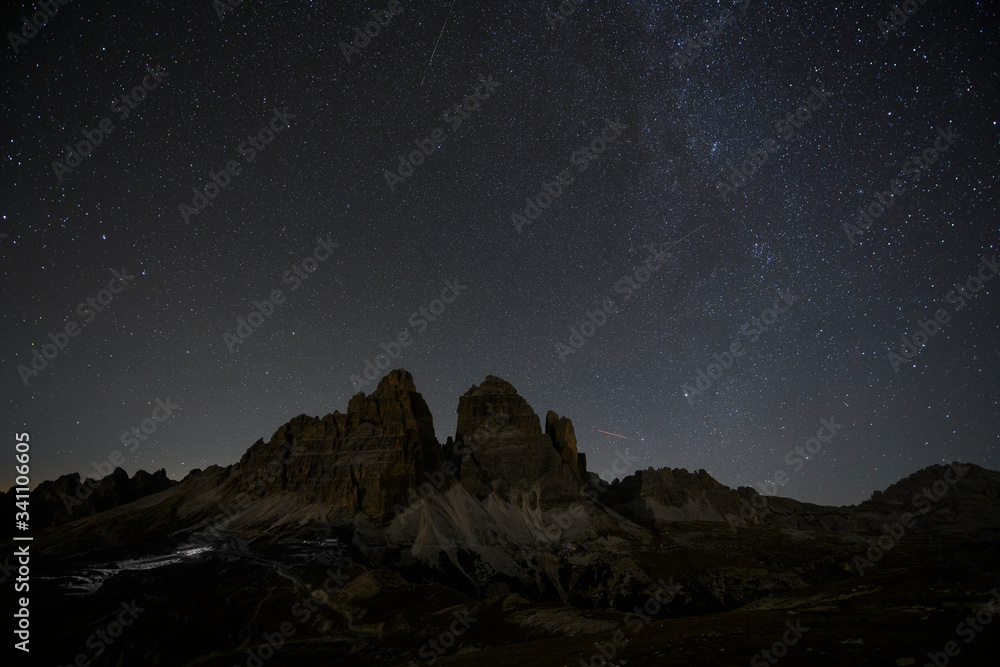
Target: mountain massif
{"type": "Point", "coordinates": [361, 538]}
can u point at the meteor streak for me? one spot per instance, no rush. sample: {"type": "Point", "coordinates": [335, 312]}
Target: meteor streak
{"type": "Point", "coordinates": [438, 40]}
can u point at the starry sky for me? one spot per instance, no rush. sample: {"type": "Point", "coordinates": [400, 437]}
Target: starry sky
{"type": "Point", "coordinates": [596, 106]}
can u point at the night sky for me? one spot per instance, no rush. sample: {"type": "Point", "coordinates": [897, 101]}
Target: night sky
{"type": "Point", "coordinates": [621, 142]}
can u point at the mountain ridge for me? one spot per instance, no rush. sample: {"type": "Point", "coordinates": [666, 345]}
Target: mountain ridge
{"type": "Point", "coordinates": [383, 454]}
{"type": "Point", "coordinates": [502, 520]}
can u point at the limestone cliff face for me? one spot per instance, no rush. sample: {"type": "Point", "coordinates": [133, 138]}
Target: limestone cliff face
{"type": "Point", "coordinates": [560, 430]}
{"type": "Point", "coordinates": [673, 494]}
{"type": "Point", "coordinates": [365, 461]}
{"type": "Point", "coordinates": [500, 448]}
{"type": "Point", "coordinates": [376, 457]}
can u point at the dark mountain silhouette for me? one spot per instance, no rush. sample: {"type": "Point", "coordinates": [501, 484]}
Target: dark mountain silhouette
{"type": "Point", "coordinates": [387, 535]}
{"type": "Point", "coordinates": [71, 497]}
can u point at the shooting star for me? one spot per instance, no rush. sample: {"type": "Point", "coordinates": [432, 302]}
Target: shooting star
{"type": "Point", "coordinates": [438, 41]}
{"type": "Point", "coordinates": [614, 434]}
{"type": "Point", "coordinates": [682, 239]}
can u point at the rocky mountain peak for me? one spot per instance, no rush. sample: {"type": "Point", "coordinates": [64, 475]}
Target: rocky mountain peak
{"type": "Point", "coordinates": [491, 385]}
{"type": "Point", "coordinates": [397, 380]}
{"type": "Point", "coordinates": [365, 461]}
{"type": "Point", "coordinates": [495, 406]}
{"type": "Point", "coordinates": [506, 451]}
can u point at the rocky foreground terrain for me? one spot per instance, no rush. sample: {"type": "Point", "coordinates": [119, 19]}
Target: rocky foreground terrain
{"type": "Point", "coordinates": [359, 538]}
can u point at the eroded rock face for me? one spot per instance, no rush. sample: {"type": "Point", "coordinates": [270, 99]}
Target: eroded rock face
{"type": "Point", "coordinates": [500, 448]}
{"type": "Point", "coordinates": [379, 456]}
{"type": "Point", "coordinates": [673, 494]}
{"type": "Point", "coordinates": [957, 497]}
{"type": "Point", "coordinates": [560, 430]}
{"type": "Point", "coordinates": [365, 461]}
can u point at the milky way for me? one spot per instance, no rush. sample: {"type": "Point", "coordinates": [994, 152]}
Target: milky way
{"type": "Point", "coordinates": [749, 237]}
